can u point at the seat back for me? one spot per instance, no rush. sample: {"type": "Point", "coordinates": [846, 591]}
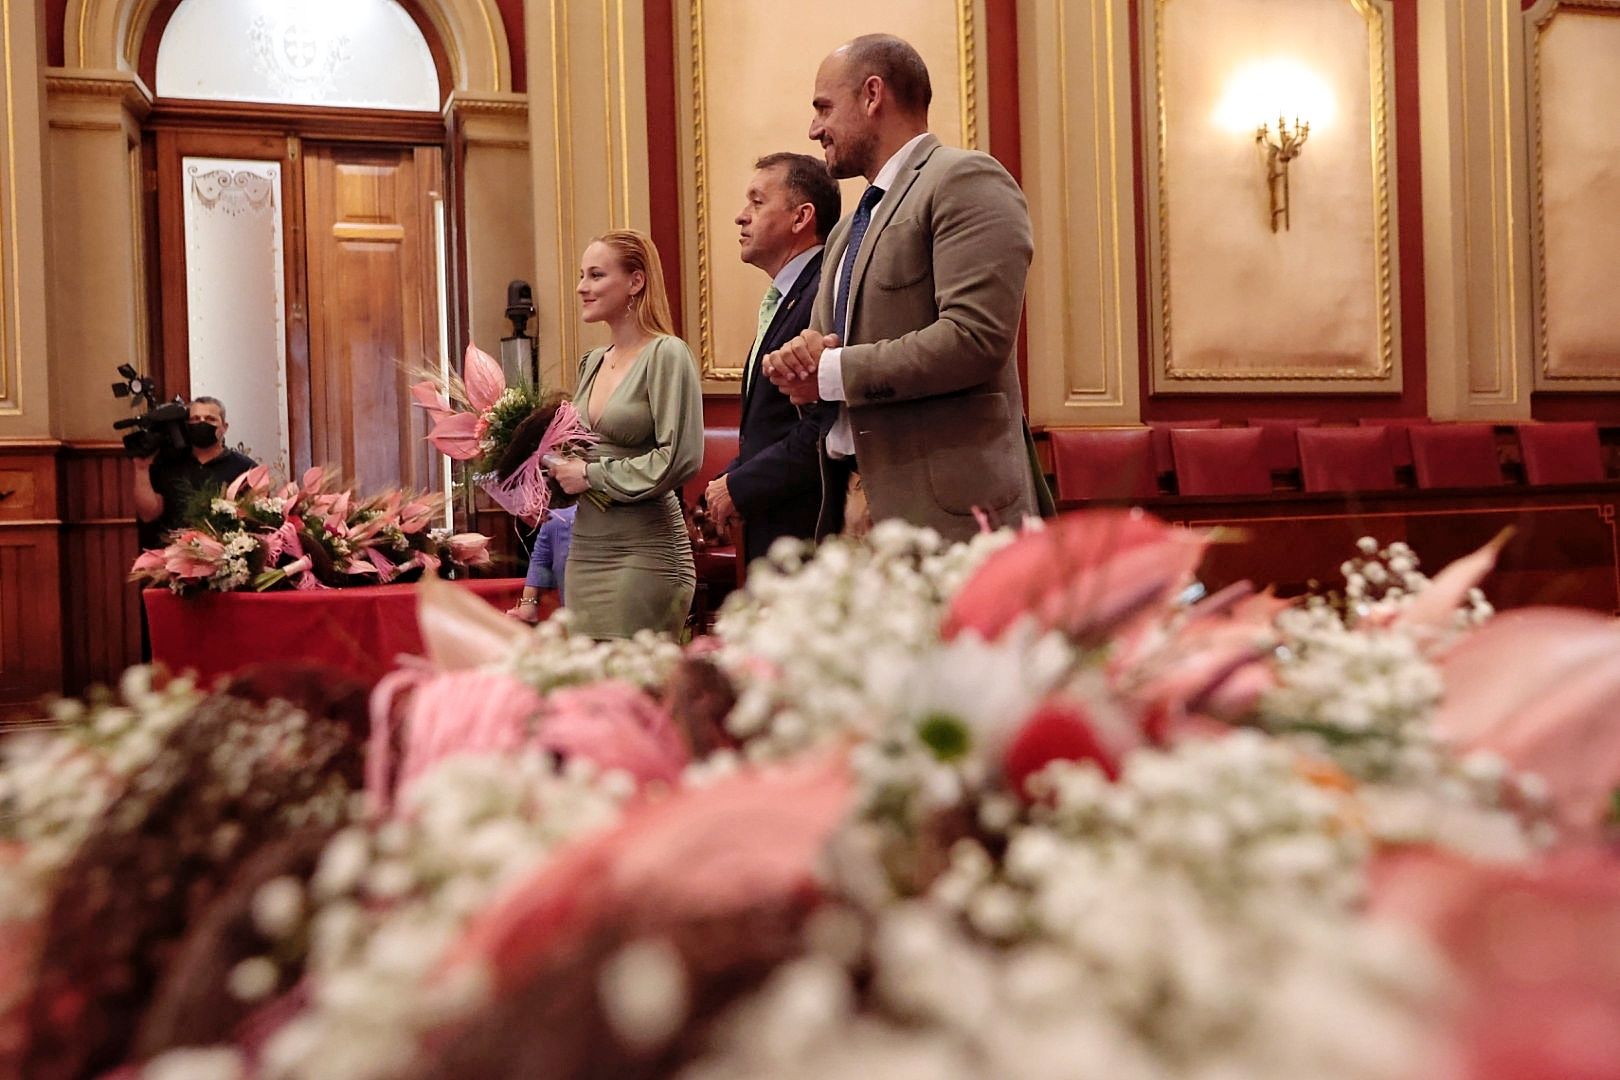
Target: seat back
{"type": "Point", "coordinates": [1163, 460]}
{"type": "Point", "coordinates": [1281, 448]}
{"type": "Point", "coordinates": [1345, 459]}
{"type": "Point", "coordinates": [719, 448]}
{"type": "Point", "coordinates": [1400, 434]}
{"type": "Point", "coordinates": [1567, 452]}
{"type": "Point", "coordinates": [1220, 461]}
{"type": "Point", "coordinates": [1103, 463]}
{"type": "Point", "coordinates": [1455, 456]}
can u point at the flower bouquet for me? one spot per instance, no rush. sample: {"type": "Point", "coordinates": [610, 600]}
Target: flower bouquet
{"type": "Point", "coordinates": [508, 433]}
{"type": "Point", "coordinates": [309, 534]}
{"type": "Point", "coordinates": [1025, 807]}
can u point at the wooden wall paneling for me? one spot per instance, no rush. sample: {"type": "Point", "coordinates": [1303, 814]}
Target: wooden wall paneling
{"type": "Point", "coordinates": [100, 606]}
{"type": "Point", "coordinates": [30, 561]}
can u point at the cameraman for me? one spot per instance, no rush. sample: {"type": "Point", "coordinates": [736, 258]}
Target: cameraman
{"type": "Point", "coordinates": [163, 483]}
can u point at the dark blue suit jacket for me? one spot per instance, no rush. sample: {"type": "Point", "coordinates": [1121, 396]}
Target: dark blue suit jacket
{"type": "Point", "coordinates": [775, 482]}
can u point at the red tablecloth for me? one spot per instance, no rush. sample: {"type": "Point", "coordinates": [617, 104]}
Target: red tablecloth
{"type": "Point", "coordinates": [358, 630]}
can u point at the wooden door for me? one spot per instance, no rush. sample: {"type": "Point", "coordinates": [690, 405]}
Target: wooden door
{"type": "Point", "coordinates": [372, 250]}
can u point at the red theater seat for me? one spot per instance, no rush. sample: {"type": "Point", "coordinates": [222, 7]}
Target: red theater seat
{"type": "Point", "coordinates": [1163, 460]}
{"type": "Point", "coordinates": [1561, 453]}
{"type": "Point", "coordinates": [1455, 456]}
{"type": "Point", "coordinates": [1345, 459]}
{"type": "Point", "coordinates": [1281, 448]}
{"type": "Point", "coordinates": [1103, 463]}
{"type": "Point", "coordinates": [717, 567]}
{"type": "Point", "coordinates": [1400, 437]}
{"type": "Point", "coordinates": [1220, 461]}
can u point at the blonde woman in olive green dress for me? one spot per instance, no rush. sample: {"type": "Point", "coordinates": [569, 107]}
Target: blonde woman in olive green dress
{"type": "Point", "coordinates": [630, 567]}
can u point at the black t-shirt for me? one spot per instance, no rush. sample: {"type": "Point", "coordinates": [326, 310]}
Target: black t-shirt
{"type": "Point", "coordinates": [176, 480]}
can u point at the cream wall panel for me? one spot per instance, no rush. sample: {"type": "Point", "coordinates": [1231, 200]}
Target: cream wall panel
{"type": "Point", "coordinates": [1476, 248]}
{"type": "Point", "coordinates": [748, 73]}
{"type": "Point", "coordinates": [96, 243]}
{"type": "Point", "coordinates": [588, 131]}
{"type": "Point", "coordinates": [25, 388]}
{"type": "Point", "coordinates": [498, 199]}
{"type": "Point", "coordinates": [1575, 157]}
{"type": "Point", "coordinates": [1238, 306]}
{"type": "Point", "coordinates": [1075, 96]}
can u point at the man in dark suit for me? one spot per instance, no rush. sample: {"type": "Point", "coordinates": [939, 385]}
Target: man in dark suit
{"type": "Point", "coordinates": [914, 332]}
{"type": "Point", "coordinates": [774, 485]}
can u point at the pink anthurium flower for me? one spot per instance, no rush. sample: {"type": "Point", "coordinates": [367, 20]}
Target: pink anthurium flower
{"type": "Point", "coordinates": [481, 374]}
{"type": "Point", "coordinates": [1085, 574]}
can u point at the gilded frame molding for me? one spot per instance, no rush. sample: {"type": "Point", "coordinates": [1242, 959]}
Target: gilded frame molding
{"type": "Point", "coordinates": [1538, 19]}
{"type": "Point", "coordinates": [1385, 374]}
{"type": "Point", "coordinates": [969, 26]}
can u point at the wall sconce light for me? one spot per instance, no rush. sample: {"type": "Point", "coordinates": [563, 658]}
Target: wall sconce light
{"type": "Point", "coordinates": [1281, 148]}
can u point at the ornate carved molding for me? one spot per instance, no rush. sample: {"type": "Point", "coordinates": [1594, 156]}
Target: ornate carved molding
{"type": "Point", "coordinates": [125, 87]}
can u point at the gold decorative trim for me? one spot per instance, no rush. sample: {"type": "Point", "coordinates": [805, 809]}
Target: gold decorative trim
{"type": "Point", "coordinates": [1378, 40]}
{"type": "Point", "coordinates": [968, 72]}
{"type": "Point", "coordinates": [700, 161]}
{"type": "Point", "coordinates": [967, 36]}
{"type": "Point", "coordinates": [1539, 23]}
{"type": "Point", "coordinates": [10, 353]}
{"type": "Point", "coordinates": [562, 106]}
{"type": "Point", "coordinates": [486, 106]}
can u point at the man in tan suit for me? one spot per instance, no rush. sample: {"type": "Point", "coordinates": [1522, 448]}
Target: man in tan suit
{"type": "Point", "coordinates": [917, 316]}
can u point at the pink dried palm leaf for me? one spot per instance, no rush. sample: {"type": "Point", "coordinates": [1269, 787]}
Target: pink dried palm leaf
{"type": "Point", "coordinates": [459, 630]}
{"type": "Point", "coordinates": [463, 712]}
{"type": "Point", "coordinates": [615, 725]}
{"type": "Point", "coordinates": [748, 841]}
{"type": "Point", "coordinates": [1541, 688]}
{"type": "Point", "coordinates": [1086, 574]}
{"type": "Point", "coordinates": [1532, 948]}
{"type": "Point", "coordinates": [255, 479]}
{"type": "Point", "coordinates": [1434, 608]}
{"type": "Point", "coordinates": [526, 492]}
{"type": "Point", "coordinates": [431, 399]}
{"type": "Point", "coordinates": [456, 437]}
{"type": "Point", "coordinates": [482, 376]}
{"type": "Point", "coordinates": [470, 549]}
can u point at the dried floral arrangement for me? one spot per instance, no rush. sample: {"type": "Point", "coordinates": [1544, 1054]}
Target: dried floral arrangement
{"type": "Point", "coordinates": [308, 534]}
{"type": "Point", "coordinates": [1026, 807]}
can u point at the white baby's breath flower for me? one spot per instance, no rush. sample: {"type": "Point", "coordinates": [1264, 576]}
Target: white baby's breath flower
{"type": "Point", "coordinates": [643, 992]}
{"type": "Point", "coordinates": [253, 979]}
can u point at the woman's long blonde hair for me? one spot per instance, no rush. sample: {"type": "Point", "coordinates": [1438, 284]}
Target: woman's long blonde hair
{"type": "Point", "coordinates": [637, 252]}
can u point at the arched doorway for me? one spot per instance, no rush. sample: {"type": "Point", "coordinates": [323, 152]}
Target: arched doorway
{"type": "Point", "coordinates": [300, 242]}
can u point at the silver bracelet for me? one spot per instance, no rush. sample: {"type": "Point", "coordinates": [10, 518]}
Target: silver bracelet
{"type": "Point", "coordinates": [528, 601]}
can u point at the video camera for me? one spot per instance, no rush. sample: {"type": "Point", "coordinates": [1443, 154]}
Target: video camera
{"type": "Point", "coordinates": [159, 429]}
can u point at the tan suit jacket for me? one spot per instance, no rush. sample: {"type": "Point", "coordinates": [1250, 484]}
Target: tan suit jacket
{"type": "Point", "coordinates": [929, 367]}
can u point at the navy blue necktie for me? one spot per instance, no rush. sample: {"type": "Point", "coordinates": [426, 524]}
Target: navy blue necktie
{"type": "Point", "coordinates": [857, 233]}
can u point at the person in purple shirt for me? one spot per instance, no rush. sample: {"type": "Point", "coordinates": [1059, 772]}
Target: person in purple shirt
{"type": "Point", "coordinates": [546, 563]}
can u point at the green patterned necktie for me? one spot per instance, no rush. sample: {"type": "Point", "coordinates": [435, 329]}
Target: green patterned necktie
{"type": "Point", "coordinates": [767, 312]}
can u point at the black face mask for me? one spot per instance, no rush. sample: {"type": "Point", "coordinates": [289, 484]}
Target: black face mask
{"type": "Point", "coordinates": [202, 435]}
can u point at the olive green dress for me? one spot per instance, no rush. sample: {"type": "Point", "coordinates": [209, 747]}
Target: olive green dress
{"type": "Point", "coordinates": [630, 565]}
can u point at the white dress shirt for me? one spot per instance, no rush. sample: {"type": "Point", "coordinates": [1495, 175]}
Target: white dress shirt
{"type": "Point", "coordinates": [830, 375]}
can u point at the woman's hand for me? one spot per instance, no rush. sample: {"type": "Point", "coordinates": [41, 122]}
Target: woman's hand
{"type": "Point", "coordinates": [570, 476]}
